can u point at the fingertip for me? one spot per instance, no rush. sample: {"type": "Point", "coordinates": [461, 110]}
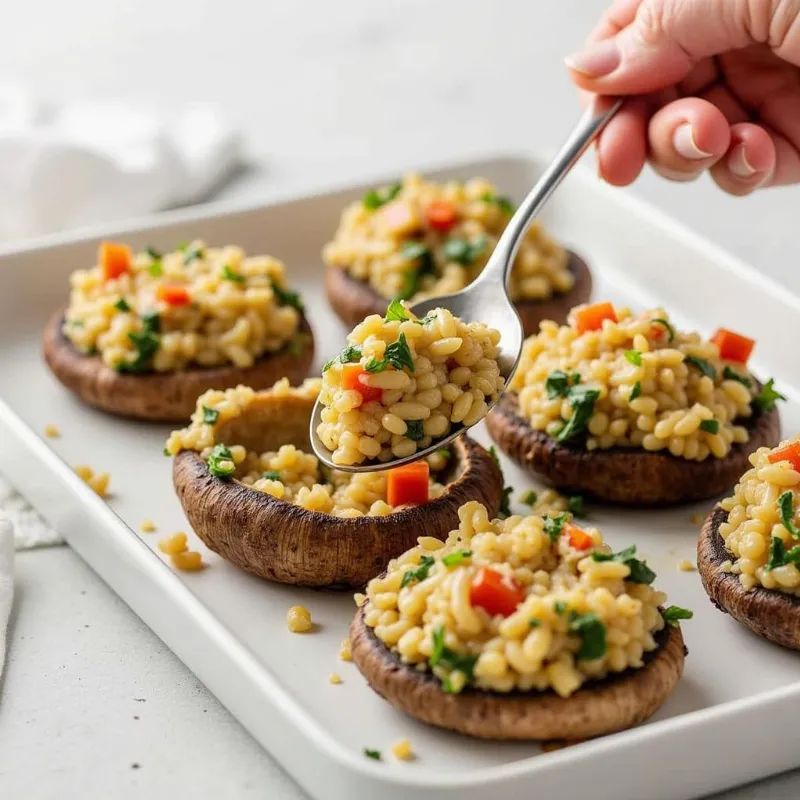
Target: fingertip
{"type": "Point", "coordinates": [622, 146]}
{"type": "Point", "coordinates": [750, 161]}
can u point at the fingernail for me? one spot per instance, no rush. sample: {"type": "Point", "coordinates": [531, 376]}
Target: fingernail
{"type": "Point", "coordinates": [738, 163]}
{"type": "Point", "coordinates": [596, 60]}
{"type": "Point", "coordinates": [685, 145]}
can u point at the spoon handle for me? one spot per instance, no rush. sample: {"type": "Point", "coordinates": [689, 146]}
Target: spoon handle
{"type": "Point", "coordinates": [592, 121]}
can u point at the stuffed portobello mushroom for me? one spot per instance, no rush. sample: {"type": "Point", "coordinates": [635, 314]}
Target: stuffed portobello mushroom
{"type": "Point", "coordinates": [145, 333]}
{"type": "Point", "coordinates": [254, 492]}
{"type": "Point", "coordinates": [749, 548]}
{"type": "Point", "coordinates": [523, 628]}
{"type": "Point", "coordinates": [419, 239]}
{"type": "Point", "coordinates": [628, 409]}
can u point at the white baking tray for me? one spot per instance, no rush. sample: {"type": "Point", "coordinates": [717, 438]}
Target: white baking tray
{"type": "Point", "coordinates": [733, 717]}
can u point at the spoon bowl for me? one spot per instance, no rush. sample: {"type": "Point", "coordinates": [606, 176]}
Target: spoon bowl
{"type": "Point", "coordinates": [486, 298]}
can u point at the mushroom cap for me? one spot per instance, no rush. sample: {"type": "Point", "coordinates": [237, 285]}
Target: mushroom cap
{"type": "Point", "coordinates": [353, 300]}
{"type": "Point", "coordinates": [627, 476]}
{"type": "Point", "coordinates": [162, 396]}
{"type": "Point", "coordinates": [598, 707]}
{"type": "Point", "coordinates": [283, 542]}
{"type": "Point", "coordinates": [768, 613]}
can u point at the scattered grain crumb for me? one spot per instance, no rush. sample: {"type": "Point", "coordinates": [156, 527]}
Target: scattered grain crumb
{"type": "Point", "coordinates": [99, 482]}
{"type": "Point", "coordinates": [697, 519]}
{"type": "Point", "coordinates": [51, 432]}
{"type": "Point", "coordinates": [334, 678]}
{"type": "Point", "coordinates": [402, 749]}
{"type": "Point", "coordinates": [360, 599]}
{"type": "Point", "coordinates": [686, 566]}
{"type": "Point", "coordinates": [559, 744]}
{"type": "Point", "coordinates": [147, 526]}
{"type": "Point", "coordinates": [298, 619]}
{"type": "Point", "coordinates": [172, 545]}
{"type": "Point", "coordinates": [187, 561]}
{"type": "Point", "coordinates": [345, 650]}
{"type": "Point", "coordinates": [726, 566]}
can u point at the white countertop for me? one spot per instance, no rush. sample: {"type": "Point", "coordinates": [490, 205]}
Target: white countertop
{"type": "Point", "coordinates": [93, 705]}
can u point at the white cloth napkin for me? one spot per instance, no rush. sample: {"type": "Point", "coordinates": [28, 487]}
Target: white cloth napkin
{"type": "Point", "coordinates": [6, 580]}
{"type": "Point", "coordinates": [94, 161]}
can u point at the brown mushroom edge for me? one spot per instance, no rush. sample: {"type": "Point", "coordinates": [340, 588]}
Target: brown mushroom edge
{"type": "Point", "coordinates": [282, 542]}
{"type": "Point", "coordinates": [626, 476]}
{"type": "Point", "coordinates": [164, 396]}
{"type": "Point", "coordinates": [600, 707]}
{"type": "Point", "coordinates": [352, 299]}
{"type": "Point", "coordinates": [770, 614]}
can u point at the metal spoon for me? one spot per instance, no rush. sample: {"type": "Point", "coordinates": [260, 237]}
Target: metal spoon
{"type": "Point", "coordinates": [486, 298]}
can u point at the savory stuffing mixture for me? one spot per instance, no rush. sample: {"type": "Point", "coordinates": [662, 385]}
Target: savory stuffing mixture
{"type": "Point", "coordinates": [418, 239]}
{"type": "Point", "coordinates": [402, 383]}
{"type": "Point", "coordinates": [762, 531]}
{"type": "Point", "coordinates": [294, 475]}
{"type": "Point", "coordinates": [203, 306]}
{"type": "Point", "coordinates": [611, 378]}
{"type": "Point", "coordinates": [524, 603]}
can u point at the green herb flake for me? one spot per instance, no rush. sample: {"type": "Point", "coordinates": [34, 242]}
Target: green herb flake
{"type": "Point", "coordinates": [673, 614]}
{"type": "Point", "coordinates": [156, 269]}
{"type": "Point", "coordinates": [710, 426]}
{"type": "Point", "coordinates": [461, 251]}
{"type": "Point", "coordinates": [454, 559]}
{"type": "Point", "coordinates": [420, 253]}
{"type": "Point", "coordinates": [193, 253]}
{"type": "Point", "coordinates": [152, 252]}
{"type": "Point", "coordinates": [786, 509]}
{"type": "Point", "coordinates": [220, 462]}
{"type": "Point", "coordinates": [375, 198]}
{"type": "Point", "coordinates": [122, 305]}
{"type": "Point", "coordinates": [777, 554]}
{"type": "Point", "coordinates": [558, 383]}
{"type": "Point", "coordinates": [151, 322]}
{"type": "Point", "coordinates": [529, 498]}
{"type": "Point", "coordinates": [373, 365]}
{"type": "Point", "coordinates": [146, 344]}
{"type": "Point", "coordinates": [592, 632]}
{"type": "Point", "coordinates": [396, 312]}
{"type": "Point", "coordinates": [350, 355]}
{"type": "Point", "coordinates": [418, 573]}
{"type": "Point", "coordinates": [553, 526]}
{"type": "Point", "coordinates": [731, 375]}
{"type": "Point", "coordinates": [210, 415]}
{"type": "Point", "coordinates": [636, 391]}
{"type": "Point", "coordinates": [639, 571]}
{"type": "Point", "coordinates": [702, 365]}
{"type": "Point", "coordinates": [271, 475]}
{"type": "Point", "coordinates": [582, 400]}
{"type": "Point", "coordinates": [493, 454]}
{"type": "Point", "coordinates": [505, 503]}
{"type": "Point", "coordinates": [414, 430]}
{"type": "Point", "coordinates": [534, 623]}
{"type": "Point", "coordinates": [398, 354]}
{"type": "Point", "coordinates": [167, 452]}
{"type": "Point", "coordinates": [669, 329]}
{"type": "Point", "coordinates": [286, 297]}
{"type": "Point", "coordinates": [575, 505]}
{"type": "Point", "coordinates": [560, 607]}
{"type": "Point", "coordinates": [766, 399]}
{"type": "Point", "coordinates": [444, 452]}
{"type": "Point", "coordinates": [229, 275]}
{"type": "Point", "coordinates": [502, 202]}
{"type": "Point", "coordinates": [634, 356]}
{"type": "Point", "coordinates": [451, 659]}
{"type": "Point", "coordinates": [375, 755]}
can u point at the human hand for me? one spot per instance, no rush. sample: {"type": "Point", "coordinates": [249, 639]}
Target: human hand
{"type": "Point", "coordinates": [714, 84]}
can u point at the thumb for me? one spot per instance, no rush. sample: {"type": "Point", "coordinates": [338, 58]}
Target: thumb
{"type": "Point", "coordinates": [661, 44]}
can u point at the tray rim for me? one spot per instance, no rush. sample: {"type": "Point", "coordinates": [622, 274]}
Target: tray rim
{"type": "Point", "coordinates": [654, 733]}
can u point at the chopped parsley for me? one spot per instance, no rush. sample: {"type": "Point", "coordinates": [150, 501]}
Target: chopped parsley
{"type": "Point", "coordinates": [418, 573]}
{"type": "Point", "coordinates": [786, 508]}
{"type": "Point", "coordinates": [429, 317]}
{"type": "Point", "coordinates": [505, 503]}
{"type": "Point", "coordinates": [639, 571]}
{"type": "Point", "coordinates": [454, 559]}
{"type": "Point", "coordinates": [419, 252]}
{"type": "Point", "coordinates": [553, 526]}
{"type": "Point", "coordinates": [731, 375]}
{"type": "Point", "coordinates": [271, 475]}
{"type": "Point", "coordinates": [779, 556]}
{"type": "Point", "coordinates": [592, 631]}
{"type": "Point", "coordinates": [397, 354]}
{"type": "Point", "coordinates": [375, 755]}
{"type": "Point", "coordinates": [153, 253]}
{"type": "Point", "coordinates": [229, 275]}
{"type": "Point", "coordinates": [529, 498]}
{"type": "Point", "coordinates": [451, 659]}
{"type": "Point", "coordinates": [672, 614]}
{"type": "Point", "coordinates": [349, 355]}
{"type": "Point", "coordinates": [444, 452]}
{"type": "Point", "coordinates": [493, 454]}
{"type": "Point", "coordinates": [151, 321]}
{"type": "Point", "coordinates": [636, 391]}
{"type": "Point", "coordinates": [575, 505]}
{"type": "Point", "coordinates": [766, 399]}
{"type": "Point", "coordinates": [560, 607]}
{"type": "Point", "coordinates": [558, 383]}
{"type": "Point", "coordinates": [703, 365]}
{"type": "Point", "coordinates": [210, 415]}
{"type": "Point", "coordinates": [502, 202]}
{"type": "Point", "coordinates": [634, 356]}
{"type": "Point", "coordinates": [414, 430]}
{"type": "Point", "coordinates": [147, 341]}
{"type": "Point", "coordinates": [463, 252]}
{"type": "Point", "coordinates": [375, 198]}
{"type": "Point", "coordinates": [669, 329]}
{"type": "Point", "coordinates": [396, 312]}
{"type": "Point", "coordinates": [220, 462]}
{"type": "Point", "coordinates": [709, 426]}
{"type": "Point", "coordinates": [534, 623]}
{"type": "Point", "coordinates": [156, 269]}
{"type": "Point", "coordinates": [285, 297]}
{"type": "Point", "coordinates": [192, 253]}
{"type": "Point", "coordinates": [582, 400]}
{"type": "Point", "coordinates": [122, 305]}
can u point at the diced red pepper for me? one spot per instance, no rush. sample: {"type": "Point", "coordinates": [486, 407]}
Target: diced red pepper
{"type": "Point", "coordinates": [441, 215]}
{"type": "Point", "coordinates": [354, 376]}
{"type": "Point", "coordinates": [409, 484]}
{"type": "Point", "coordinates": [173, 294]}
{"type": "Point", "coordinates": [590, 318]}
{"type": "Point", "coordinates": [495, 592]}
{"type": "Point", "coordinates": [115, 259]}
{"type": "Point", "coordinates": [733, 346]}
{"type": "Point", "coordinates": [790, 453]}
{"type": "Point", "coordinates": [578, 538]}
